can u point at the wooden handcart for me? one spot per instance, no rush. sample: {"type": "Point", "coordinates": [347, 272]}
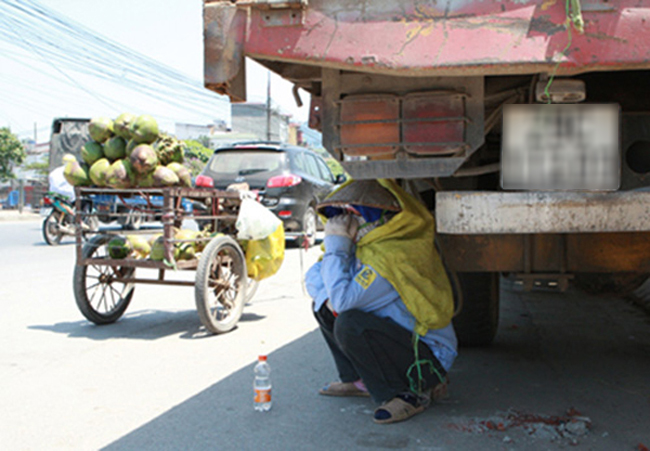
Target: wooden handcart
{"type": "Point", "coordinates": [104, 286]}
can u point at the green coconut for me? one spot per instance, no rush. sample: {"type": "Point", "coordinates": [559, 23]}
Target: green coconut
{"type": "Point", "coordinates": [98, 171]}
{"type": "Point", "coordinates": [120, 174]}
{"type": "Point", "coordinates": [100, 129]}
{"type": "Point", "coordinates": [115, 148]}
{"type": "Point", "coordinates": [130, 145]}
{"type": "Point", "coordinates": [184, 251]}
{"type": "Point", "coordinates": [91, 152]}
{"type": "Point", "coordinates": [144, 159]}
{"type": "Point", "coordinates": [198, 239]}
{"type": "Point", "coordinates": [163, 176]}
{"type": "Point", "coordinates": [187, 234]}
{"type": "Point", "coordinates": [144, 181]}
{"type": "Point", "coordinates": [169, 150]}
{"type": "Point", "coordinates": [144, 130]}
{"type": "Point", "coordinates": [119, 247]}
{"type": "Point", "coordinates": [157, 252]}
{"type": "Point", "coordinates": [76, 173]}
{"type": "Point", "coordinates": [140, 245]}
{"type": "Point", "coordinates": [122, 125]}
{"type": "Point", "coordinates": [183, 174]}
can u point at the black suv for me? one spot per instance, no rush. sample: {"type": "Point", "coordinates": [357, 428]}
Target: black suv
{"type": "Point", "coordinates": [289, 180]}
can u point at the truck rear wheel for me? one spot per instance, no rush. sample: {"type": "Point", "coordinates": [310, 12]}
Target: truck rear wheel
{"type": "Point", "coordinates": [477, 322]}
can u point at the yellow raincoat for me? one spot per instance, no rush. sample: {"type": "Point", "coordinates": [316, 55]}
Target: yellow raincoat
{"type": "Point", "coordinates": [403, 252]}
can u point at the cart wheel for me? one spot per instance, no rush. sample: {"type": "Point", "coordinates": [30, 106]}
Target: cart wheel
{"type": "Point", "coordinates": [220, 289]}
{"type": "Point", "coordinates": [251, 288]}
{"type": "Point", "coordinates": [100, 298]}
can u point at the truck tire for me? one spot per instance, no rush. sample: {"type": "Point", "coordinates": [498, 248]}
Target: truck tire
{"type": "Point", "coordinates": [477, 322]}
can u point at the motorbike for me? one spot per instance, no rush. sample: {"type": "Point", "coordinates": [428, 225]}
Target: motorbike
{"type": "Point", "coordinates": [59, 218]}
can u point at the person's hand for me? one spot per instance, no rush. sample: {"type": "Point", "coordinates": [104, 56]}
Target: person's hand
{"type": "Point", "coordinates": [342, 225]}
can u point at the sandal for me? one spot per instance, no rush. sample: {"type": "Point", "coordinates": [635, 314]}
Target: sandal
{"type": "Point", "coordinates": [342, 389]}
{"type": "Point", "coordinates": [396, 410]}
{"type": "Point", "coordinates": [440, 391]}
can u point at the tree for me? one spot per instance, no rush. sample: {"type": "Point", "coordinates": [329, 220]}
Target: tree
{"type": "Point", "coordinates": [196, 155]}
{"type": "Point", "coordinates": [41, 167]}
{"type": "Point", "coordinates": [12, 153]}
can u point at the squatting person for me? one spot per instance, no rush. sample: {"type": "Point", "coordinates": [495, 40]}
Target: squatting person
{"type": "Point", "coordinates": [382, 299]}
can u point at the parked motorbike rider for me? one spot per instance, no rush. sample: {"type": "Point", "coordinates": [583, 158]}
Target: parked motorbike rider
{"type": "Point", "coordinates": [59, 185]}
{"type": "Point", "coordinates": [59, 222]}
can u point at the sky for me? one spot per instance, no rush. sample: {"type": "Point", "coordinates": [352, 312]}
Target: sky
{"type": "Point", "coordinates": [48, 72]}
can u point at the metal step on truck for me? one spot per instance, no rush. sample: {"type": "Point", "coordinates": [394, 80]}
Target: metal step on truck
{"type": "Point", "coordinates": [524, 125]}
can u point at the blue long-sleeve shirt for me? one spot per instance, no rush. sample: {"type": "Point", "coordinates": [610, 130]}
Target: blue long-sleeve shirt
{"type": "Point", "coordinates": [348, 284]}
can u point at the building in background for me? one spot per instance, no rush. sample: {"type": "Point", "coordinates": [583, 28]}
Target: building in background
{"type": "Point", "coordinates": [251, 118]}
{"type": "Point", "coordinates": [250, 123]}
{"type": "Point", "coordinates": [193, 131]}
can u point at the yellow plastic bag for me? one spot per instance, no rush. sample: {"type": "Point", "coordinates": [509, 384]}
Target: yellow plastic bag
{"type": "Point", "coordinates": [264, 257]}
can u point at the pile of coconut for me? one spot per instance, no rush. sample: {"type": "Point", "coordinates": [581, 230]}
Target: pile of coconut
{"type": "Point", "coordinates": [128, 152]}
{"type": "Point", "coordinates": [187, 245]}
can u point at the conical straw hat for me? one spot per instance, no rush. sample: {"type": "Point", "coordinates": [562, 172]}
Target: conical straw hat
{"type": "Point", "coordinates": [368, 193]}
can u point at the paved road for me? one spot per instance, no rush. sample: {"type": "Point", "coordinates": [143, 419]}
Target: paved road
{"type": "Point", "coordinates": [566, 369]}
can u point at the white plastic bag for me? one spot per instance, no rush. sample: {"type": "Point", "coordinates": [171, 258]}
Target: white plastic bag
{"type": "Point", "coordinates": [255, 221]}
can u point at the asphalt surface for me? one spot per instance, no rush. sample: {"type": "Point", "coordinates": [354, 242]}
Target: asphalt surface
{"type": "Point", "coordinates": [566, 371]}
{"type": "Point", "coordinates": [15, 215]}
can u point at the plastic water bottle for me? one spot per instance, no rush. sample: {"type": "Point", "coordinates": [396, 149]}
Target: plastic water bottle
{"type": "Point", "coordinates": [262, 385]}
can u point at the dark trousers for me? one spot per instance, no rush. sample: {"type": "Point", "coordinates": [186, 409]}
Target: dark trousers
{"type": "Point", "coordinates": [376, 350]}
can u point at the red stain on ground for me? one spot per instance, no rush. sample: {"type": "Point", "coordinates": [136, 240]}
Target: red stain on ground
{"type": "Point", "coordinates": [514, 419]}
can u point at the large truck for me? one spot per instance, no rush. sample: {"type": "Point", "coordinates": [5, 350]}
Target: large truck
{"type": "Point", "coordinates": [523, 124]}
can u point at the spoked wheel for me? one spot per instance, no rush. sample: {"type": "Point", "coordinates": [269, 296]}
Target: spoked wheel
{"type": "Point", "coordinates": [220, 288]}
{"type": "Point", "coordinates": [251, 288]}
{"type": "Point", "coordinates": [52, 233]}
{"type": "Point", "coordinates": [101, 298]}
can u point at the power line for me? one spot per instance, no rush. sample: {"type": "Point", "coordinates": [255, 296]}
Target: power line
{"type": "Point", "coordinates": [68, 46]}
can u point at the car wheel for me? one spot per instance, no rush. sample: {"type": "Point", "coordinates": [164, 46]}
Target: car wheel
{"type": "Point", "coordinates": [309, 226]}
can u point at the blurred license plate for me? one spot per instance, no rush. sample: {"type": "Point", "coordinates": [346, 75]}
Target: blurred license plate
{"type": "Point", "coordinates": [45, 211]}
{"type": "Point", "coordinates": [560, 147]}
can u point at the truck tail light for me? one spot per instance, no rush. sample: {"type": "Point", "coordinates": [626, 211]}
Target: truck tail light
{"type": "Point", "coordinates": [283, 181]}
{"type": "Point", "coordinates": [427, 123]}
{"type": "Point", "coordinates": [203, 181]}
{"type": "Point", "coordinates": [433, 122]}
{"type": "Point", "coordinates": [370, 125]}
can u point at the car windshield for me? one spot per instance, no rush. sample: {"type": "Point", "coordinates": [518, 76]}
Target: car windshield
{"type": "Point", "coordinates": [246, 162]}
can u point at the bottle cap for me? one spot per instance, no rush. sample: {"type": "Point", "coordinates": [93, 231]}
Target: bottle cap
{"type": "Point", "coordinates": [262, 358]}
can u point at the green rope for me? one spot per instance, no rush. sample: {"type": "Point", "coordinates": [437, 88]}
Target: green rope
{"type": "Point", "coordinates": [171, 264]}
{"type": "Point", "coordinates": [573, 12]}
{"type": "Point", "coordinates": [416, 386]}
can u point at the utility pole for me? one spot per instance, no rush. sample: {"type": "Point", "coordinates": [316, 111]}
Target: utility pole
{"type": "Point", "coordinates": [268, 106]}
{"type": "Point", "coordinates": [35, 133]}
